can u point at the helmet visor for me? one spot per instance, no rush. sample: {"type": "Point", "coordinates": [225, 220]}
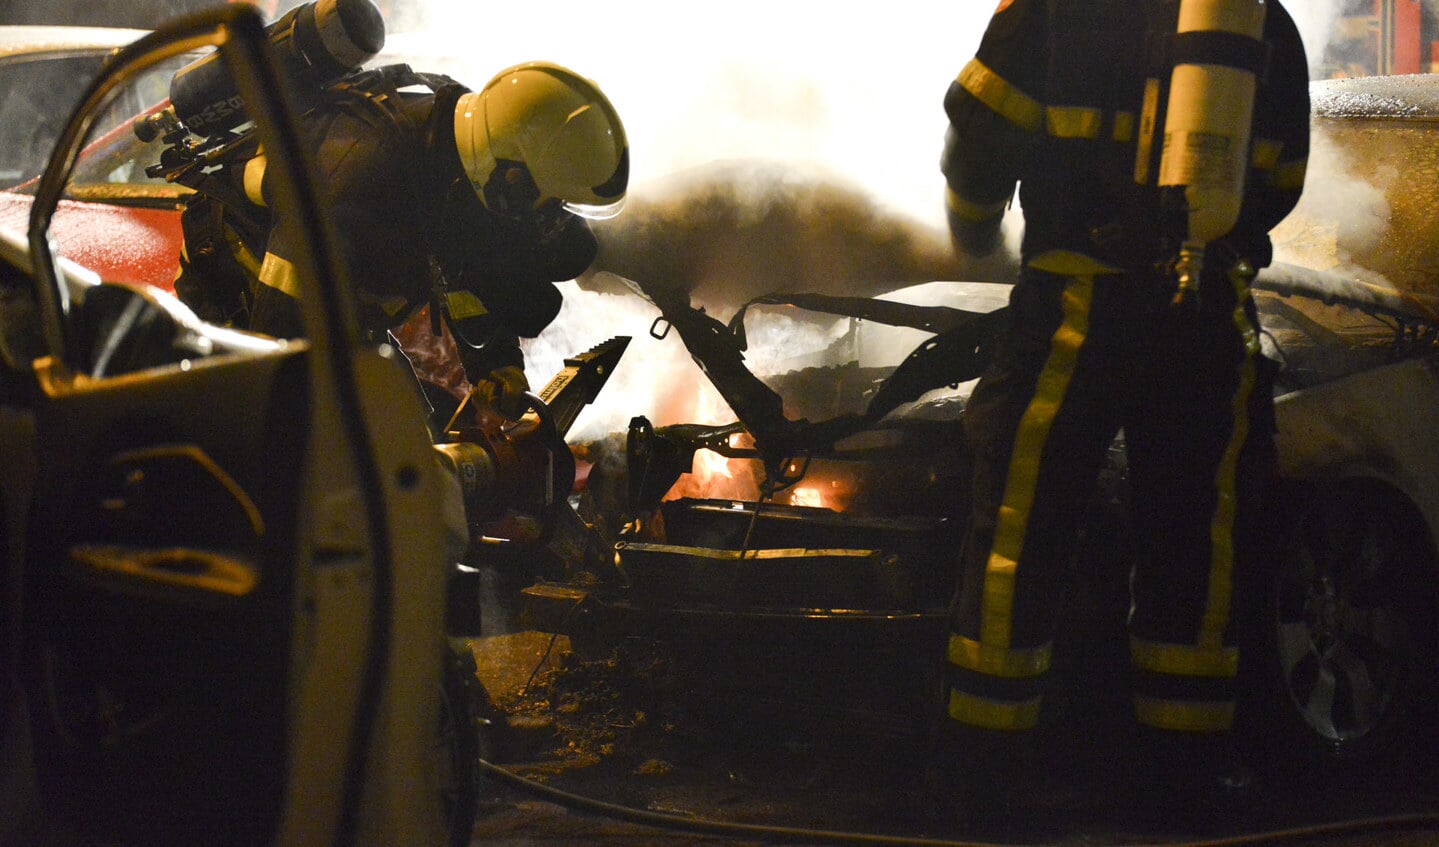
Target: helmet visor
{"type": "Point", "coordinates": [596, 212]}
{"type": "Point", "coordinates": [609, 196]}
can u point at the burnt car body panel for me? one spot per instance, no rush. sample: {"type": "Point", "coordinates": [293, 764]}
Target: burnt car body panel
{"type": "Point", "coordinates": [1348, 614]}
{"type": "Point", "coordinates": [1340, 627]}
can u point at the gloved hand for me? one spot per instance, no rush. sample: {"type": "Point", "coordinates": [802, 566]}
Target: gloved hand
{"type": "Point", "coordinates": [503, 389]}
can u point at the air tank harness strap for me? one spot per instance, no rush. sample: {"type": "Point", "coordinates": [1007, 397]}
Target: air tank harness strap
{"type": "Point", "coordinates": [1217, 47]}
{"type": "Point", "coordinates": [380, 87]}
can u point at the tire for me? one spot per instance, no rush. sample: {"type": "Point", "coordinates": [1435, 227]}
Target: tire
{"type": "Point", "coordinates": [459, 738]}
{"type": "Point", "coordinates": [1348, 626]}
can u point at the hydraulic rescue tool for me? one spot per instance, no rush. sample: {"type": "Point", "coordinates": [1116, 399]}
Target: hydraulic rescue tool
{"type": "Point", "coordinates": [515, 474]}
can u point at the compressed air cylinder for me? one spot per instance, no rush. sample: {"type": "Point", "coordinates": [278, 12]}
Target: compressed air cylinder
{"type": "Point", "coordinates": [314, 43]}
{"type": "Point", "coordinates": [1218, 48]}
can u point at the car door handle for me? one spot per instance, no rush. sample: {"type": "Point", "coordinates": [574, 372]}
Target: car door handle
{"type": "Point", "coordinates": [185, 569]}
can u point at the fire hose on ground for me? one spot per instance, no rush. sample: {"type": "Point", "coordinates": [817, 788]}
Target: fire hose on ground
{"type": "Point", "coordinates": [796, 835]}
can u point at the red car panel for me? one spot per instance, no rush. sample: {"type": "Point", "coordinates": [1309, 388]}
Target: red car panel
{"type": "Point", "coordinates": [140, 245]}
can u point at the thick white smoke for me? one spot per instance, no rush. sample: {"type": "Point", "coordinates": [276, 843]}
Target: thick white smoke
{"type": "Point", "coordinates": [856, 87]}
{"type": "Point", "coordinates": [811, 134]}
{"type": "Point", "coordinates": [1339, 218]}
{"type": "Point", "coordinates": [775, 146]}
{"type": "Point", "coordinates": [1316, 19]}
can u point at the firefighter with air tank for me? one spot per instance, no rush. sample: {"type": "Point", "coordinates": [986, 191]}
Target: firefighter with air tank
{"type": "Point", "coordinates": [471, 202]}
{"type": "Point", "coordinates": [1155, 144]}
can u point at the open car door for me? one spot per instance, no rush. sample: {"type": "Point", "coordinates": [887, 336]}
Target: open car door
{"type": "Point", "coordinates": [225, 554]}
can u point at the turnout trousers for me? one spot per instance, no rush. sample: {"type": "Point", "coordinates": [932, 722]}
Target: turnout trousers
{"type": "Point", "coordinates": [1092, 351]}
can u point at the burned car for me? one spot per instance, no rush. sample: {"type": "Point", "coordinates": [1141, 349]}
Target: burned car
{"type": "Point", "coordinates": [845, 547]}
{"type": "Point", "coordinates": [225, 556]}
{"type": "Point", "coordinates": [837, 566]}
{"type": "Point", "coordinates": [1351, 614]}
{"type": "Point", "coordinates": [832, 566]}
{"type": "Point", "coordinates": [1346, 615]}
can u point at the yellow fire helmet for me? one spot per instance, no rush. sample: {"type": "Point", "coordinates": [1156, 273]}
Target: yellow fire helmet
{"type": "Point", "coordinates": [538, 135]}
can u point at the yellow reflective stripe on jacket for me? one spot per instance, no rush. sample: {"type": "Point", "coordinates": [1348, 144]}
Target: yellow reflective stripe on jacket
{"type": "Point", "coordinates": [1183, 659]}
{"type": "Point", "coordinates": [1268, 155]}
{"type": "Point", "coordinates": [1123, 126]}
{"type": "Point", "coordinates": [1148, 122]}
{"type": "Point", "coordinates": [278, 273]}
{"type": "Point", "coordinates": [242, 253]}
{"type": "Point", "coordinates": [974, 212]}
{"type": "Point", "coordinates": [998, 661]}
{"type": "Point", "coordinates": [1265, 153]}
{"type": "Point", "coordinates": [393, 306]}
{"type": "Point", "coordinates": [253, 179]}
{"type": "Point", "coordinates": [1070, 263]}
{"type": "Point", "coordinates": [1086, 122]}
{"type": "Point", "coordinates": [1029, 114]}
{"type": "Point", "coordinates": [1289, 176]}
{"type": "Point", "coordinates": [1073, 121]}
{"type": "Point", "coordinates": [997, 607]}
{"type": "Point", "coordinates": [994, 91]}
{"type": "Point", "coordinates": [1184, 715]}
{"type": "Point", "coordinates": [993, 714]}
{"type": "Point", "coordinates": [463, 304]}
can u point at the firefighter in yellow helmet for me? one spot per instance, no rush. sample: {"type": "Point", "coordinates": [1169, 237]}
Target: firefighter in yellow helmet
{"type": "Point", "coordinates": [1070, 101]}
{"type": "Point", "coordinates": [472, 202]}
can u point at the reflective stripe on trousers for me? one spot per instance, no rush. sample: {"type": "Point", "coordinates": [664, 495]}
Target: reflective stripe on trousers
{"type": "Point", "coordinates": [1189, 687]}
{"type": "Point", "coordinates": [996, 683]}
{"type": "Point", "coordinates": [1016, 706]}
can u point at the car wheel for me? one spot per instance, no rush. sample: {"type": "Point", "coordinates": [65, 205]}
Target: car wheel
{"type": "Point", "coordinates": [1350, 627]}
{"type": "Point", "coordinates": [459, 742]}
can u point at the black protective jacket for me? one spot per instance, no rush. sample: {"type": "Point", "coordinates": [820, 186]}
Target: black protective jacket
{"type": "Point", "coordinates": [1055, 100]}
{"type": "Point", "coordinates": [1067, 99]}
{"type": "Point", "coordinates": [411, 228]}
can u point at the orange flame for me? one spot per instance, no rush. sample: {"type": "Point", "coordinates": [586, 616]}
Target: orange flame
{"type": "Point", "coordinates": [713, 475]}
{"type": "Point", "coordinates": [806, 497]}
{"type": "Point", "coordinates": [708, 465]}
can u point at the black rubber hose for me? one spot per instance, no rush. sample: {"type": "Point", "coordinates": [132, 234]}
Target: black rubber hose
{"type": "Point", "coordinates": [793, 835]}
